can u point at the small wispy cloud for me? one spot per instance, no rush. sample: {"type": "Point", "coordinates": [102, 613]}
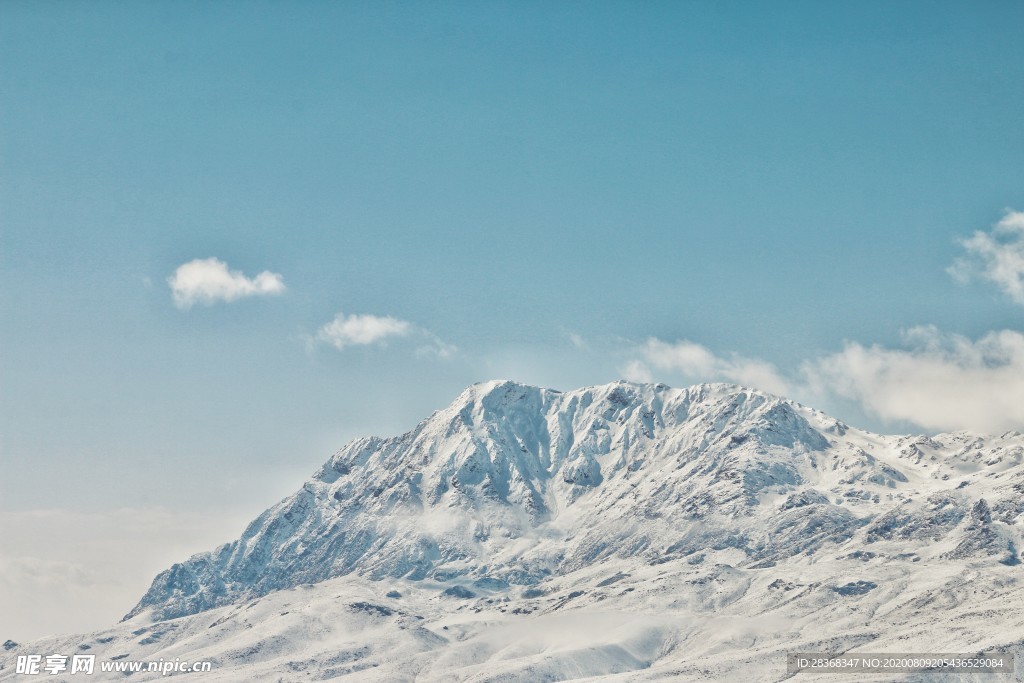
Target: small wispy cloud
{"type": "Point", "coordinates": [435, 347]}
{"type": "Point", "coordinates": [208, 281]}
{"type": "Point", "coordinates": [577, 341]}
{"type": "Point", "coordinates": [365, 329]}
{"type": "Point", "coordinates": [636, 371]}
{"type": "Point", "coordinates": [996, 256]}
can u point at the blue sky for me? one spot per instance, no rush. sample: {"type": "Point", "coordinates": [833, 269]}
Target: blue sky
{"type": "Point", "coordinates": [564, 194]}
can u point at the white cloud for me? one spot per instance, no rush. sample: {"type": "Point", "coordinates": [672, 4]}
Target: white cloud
{"type": "Point", "coordinates": [207, 281]}
{"type": "Point", "coordinates": [697, 363]}
{"type": "Point", "coordinates": [940, 381]}
{"type": "Point", "coordinates": [996, 256]}
{"type": "Point", "coordinates": [360, 330]}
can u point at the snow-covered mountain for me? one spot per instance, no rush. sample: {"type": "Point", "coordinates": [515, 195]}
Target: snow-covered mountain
{"type": "Point", "coordinates": [638, 532]}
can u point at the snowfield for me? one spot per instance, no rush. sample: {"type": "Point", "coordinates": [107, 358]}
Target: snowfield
{"type": "Point", "coordinates": [624, 532]}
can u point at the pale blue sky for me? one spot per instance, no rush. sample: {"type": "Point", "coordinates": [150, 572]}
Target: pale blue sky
{"type": "Point", "coordinates": [764, 179]}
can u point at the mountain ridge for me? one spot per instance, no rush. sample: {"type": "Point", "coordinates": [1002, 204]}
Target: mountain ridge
{"type": "Point", "coordinates": [486, 493]}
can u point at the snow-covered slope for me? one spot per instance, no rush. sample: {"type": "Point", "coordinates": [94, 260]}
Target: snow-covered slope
{"type": "Point", "coordinates": [634, 531]}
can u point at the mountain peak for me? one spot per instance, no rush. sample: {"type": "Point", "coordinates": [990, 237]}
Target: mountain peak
{"type": "Point", "coordinates": [512, 484]}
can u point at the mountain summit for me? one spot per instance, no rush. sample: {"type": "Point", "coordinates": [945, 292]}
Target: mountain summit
{"type": "Point", "coordinates": [512, 485]}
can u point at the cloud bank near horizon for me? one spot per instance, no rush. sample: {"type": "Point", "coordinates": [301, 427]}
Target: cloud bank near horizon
{"type": "Point", "coordinates": [938, 381]}
{"type": "Point", "coordinates": [81, 578]}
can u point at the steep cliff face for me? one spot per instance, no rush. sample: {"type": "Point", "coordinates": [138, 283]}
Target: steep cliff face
{"type": "Point", "coordinates": [512, 485]}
